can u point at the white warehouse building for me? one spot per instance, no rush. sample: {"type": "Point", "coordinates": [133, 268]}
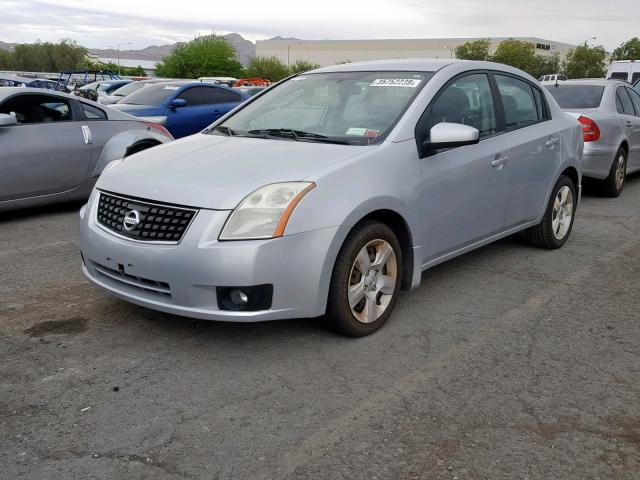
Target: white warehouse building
{"type": "Point", "coordinates": [329, 52]}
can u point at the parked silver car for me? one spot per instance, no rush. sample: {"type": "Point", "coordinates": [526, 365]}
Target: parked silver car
{"type": "Point", "coordinates": [609, 112]}
{"type": "Point", "coordinates": [334, 189]}
{"type": "Point", "coordinates": [53, 146]}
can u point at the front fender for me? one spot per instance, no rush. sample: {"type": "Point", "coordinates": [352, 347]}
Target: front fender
{"type": "Point", "coordinates": [117, 146]}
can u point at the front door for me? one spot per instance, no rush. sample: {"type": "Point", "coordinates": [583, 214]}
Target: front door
{"type": "Point", "coordinates": [464, 190]}
{"type": "Point", "coordinates": [47, 152]}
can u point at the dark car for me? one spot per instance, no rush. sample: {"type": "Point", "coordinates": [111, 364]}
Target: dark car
{"type": "Point", "coordinates": [94, 90]}
{"type": "Point", "coordinates": [184, 108]}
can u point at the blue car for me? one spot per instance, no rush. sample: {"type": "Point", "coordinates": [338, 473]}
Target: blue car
{"type": "Point", "coordinates": [183, 107]}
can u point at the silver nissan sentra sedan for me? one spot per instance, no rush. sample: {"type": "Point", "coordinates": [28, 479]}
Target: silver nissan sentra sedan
{"type": "Point", "coordinates": [333, 190]}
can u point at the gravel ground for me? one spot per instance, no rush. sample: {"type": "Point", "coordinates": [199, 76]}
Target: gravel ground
{"type": "Point", "coordinates": [507, 363]}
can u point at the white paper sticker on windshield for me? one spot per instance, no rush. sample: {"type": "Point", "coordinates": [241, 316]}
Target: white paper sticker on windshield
{"type": "Point", "coordinates": [396, 82]}
{"type": "Point", "coordinates": [171, 87]}
{"type": "Point", "coordinates": [356, 131]}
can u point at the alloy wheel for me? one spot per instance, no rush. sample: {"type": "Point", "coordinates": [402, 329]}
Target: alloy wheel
{"type": "Point", "coordinates": [372, 281]}
{"type": "Point", "coordinates": [621, 171]}
{"type": "Point", "coordinates": [562, 212]}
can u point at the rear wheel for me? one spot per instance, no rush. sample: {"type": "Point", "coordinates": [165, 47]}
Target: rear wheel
{"type": "Point", "coordinates": [612, 185]}
{"type": "Point", "coordinates": [365, 281]}
{"type": "Point", "coordinates": [554, 229]}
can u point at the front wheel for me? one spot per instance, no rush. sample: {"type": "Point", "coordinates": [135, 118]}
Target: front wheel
{"type": "Point", "coordinates": [554, 229]}
{"type": "Point", "coordinates": [366, 280]}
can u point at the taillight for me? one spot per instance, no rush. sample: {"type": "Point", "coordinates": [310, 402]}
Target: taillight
{"type": "Point", "coordinates": [160, 128]}
{"type": "Point", "coordinates": [590, 129]}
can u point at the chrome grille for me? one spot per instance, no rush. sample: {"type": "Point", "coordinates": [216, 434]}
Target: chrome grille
{"type": "Point", "coordinates": [153, 222]}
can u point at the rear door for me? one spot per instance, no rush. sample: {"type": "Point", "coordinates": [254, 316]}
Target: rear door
{"type": "Point", "coordinates": [534, 147]}
{"type": "Point", "coordinates": [205, 104]}
{"type": "Point", "coordinates": [47, 152]}
{"type": "Point", "coordinates": [634, 130]}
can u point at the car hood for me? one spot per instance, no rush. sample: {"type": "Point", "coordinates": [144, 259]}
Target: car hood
{"type": "Point", "coordinates": [216, 172]}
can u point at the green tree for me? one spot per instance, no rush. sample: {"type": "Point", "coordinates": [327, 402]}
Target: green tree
{"type": "Point", "coordinates": [205, 56]}
{"type": "Point", "coordinates": [302, 66]}
{"type": "Point", "coordinates": [585, 62]}
{"type": "Point", "coordinates": [474, 50]}
{"type": "Point", "coordinates": [5, 60]}
{"type": "Point", "coordinates": [48, 57]}
{"type": "Point", "coordinates": [270, 68]}
{"type": "Point", "coordinates": [517, 53]}
{"type": "Point", "coordinates": [629, 50]}
{"type": "Point", "coordinates": [545, 64]}
{"type": "Point", "coordinates": [128, 71]}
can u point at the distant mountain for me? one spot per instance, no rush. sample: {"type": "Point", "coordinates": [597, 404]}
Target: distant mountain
{"type": "Point", "coordinates": [246, 50]}
{"type": "Point", "coordinates": [7, 46]}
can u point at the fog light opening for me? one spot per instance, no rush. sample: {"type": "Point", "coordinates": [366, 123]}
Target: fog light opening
{"type": "Point", "coordinates": [238, 297]}
{"type": "Point", "coordinates": [245, 298]}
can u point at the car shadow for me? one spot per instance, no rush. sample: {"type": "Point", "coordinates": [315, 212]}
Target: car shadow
{"type": "Point", "coordinates": [31, 212]}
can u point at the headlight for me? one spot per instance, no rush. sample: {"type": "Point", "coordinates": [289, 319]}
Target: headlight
{"type": "Point", "coordinates": [158, 120]}
{"type": "Point", "coordinates": [265, 212]}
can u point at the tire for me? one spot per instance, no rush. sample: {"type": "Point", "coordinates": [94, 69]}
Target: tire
{"type": "Point", "coordinates": [612, 185]}
{"type": "Point", "coordinates": [370, 265]}
{"type": "Point", "coordinates": [556, 225]}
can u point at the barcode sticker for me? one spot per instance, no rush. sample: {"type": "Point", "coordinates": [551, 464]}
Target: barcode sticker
{"type": "Point", "coordinates": [396, 82]}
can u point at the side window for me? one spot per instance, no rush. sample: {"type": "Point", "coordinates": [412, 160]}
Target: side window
{"type": "Point", "coordinates": [635, 77]}
{"type": "Point", "coordinates": [469, 101]}
{"type": "Point", "coordinates": [635, 98]}
{"type": "Point", "coordinates": [541, 106]}
{"type": "Point", "coordinates": [93, 113]}
{"type": "Point", "coordinates": [29, 109]}
{"type": "Point", "coordinates": [518, 102]}
{"type": "Point", "coordinates": [208, 96]}
{"type": "Point", "coordinates": [625, 102]}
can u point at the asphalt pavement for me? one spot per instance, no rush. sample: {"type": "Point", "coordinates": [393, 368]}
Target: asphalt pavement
{"type": "Point", "coordinates": [510, 362]}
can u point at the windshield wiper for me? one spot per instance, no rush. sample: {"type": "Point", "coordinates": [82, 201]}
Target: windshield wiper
{"type": "Point", "coordinates": [296, 135]}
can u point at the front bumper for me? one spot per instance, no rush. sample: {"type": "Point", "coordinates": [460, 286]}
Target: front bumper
{"type": "Point", "coordinates": [182, 278]}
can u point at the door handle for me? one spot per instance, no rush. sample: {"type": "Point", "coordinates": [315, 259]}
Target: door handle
{"type": "Point", "coordinates": [629, 124]}
{"type": "Point", "coordinates": [552, 141]}
{"type": "Point", "coordinates": [86, 133]}
{"type": "Point", "coordinates": [499, 161]}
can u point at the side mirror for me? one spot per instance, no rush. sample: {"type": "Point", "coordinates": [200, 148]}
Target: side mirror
{"type": "Point", "coordinates": [7, 120]}
{"type": "Point", "coordinates": [178, 102]}
{"type": "Point", "coordinates": [450, 135]}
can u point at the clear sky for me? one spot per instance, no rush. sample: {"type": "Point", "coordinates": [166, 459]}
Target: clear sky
{"type": "Point", "coordinates": [101, 23]}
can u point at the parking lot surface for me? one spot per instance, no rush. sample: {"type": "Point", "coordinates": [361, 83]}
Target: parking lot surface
{"type": "Point", "coordinates": [509, 362]}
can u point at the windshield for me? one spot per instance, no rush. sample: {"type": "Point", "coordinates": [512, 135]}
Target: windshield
{"type": "Point", "coordinates": [128, 89]}
{"type": "Point", "coordinates": [358, 108]}
{"type": "Point", "coordinates": [577, 96]}
{"type": "Point", "coordinates": [151, 94]}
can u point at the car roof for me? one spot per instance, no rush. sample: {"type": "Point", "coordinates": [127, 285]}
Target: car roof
{"type": "Point", "coordinates": [7, 91]}
{"type": "Point", "coordinates": [407, 64]}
